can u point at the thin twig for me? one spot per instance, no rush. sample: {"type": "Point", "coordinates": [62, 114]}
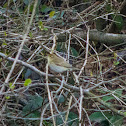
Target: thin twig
{"type": "Point", "coordinates": [26, 65]}
{"type": "Point", "coordinates": [86, 55]}
{"type": "Point", "coordinates": [66, 117]}
{"type": "Point", "coordinates": [54, 43]}
{"type": "Point", "coordinates": [49, 95]}
{"type": "Point", "coordinates": [42, 114]}
{"type": "Point", "coordinates": [80, 105]}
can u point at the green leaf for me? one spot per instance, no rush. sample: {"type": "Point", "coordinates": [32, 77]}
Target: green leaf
{"type": "Point", "coordinates": [34, 103]}
{"type": "Point", "coordinates": [45, 9]}
{"type": "Point", "coordinates": [46, 123]}
{"type": "Point", "coordinates": [116, 120]}
{"type": "Point", "coordinates": [125, 113]}
{"type": "Point", "coordinates": [98, 116]}
{"type": "Point", "coordinates": [11, 86]}
{"type": "Point", "coordinates": [31, 8]}
{"type": "Point", "coordinates": [5, 5]}
{"type": "Point", "coordinates": [107, 98]}
{"type": "Point", "coordinates": [45, 29]}
{"type": "Point", "coordinates": [7, 97]}
{"type": "Point", "coordinates": [74, 52]}
{"type": "Point", "coordinates": [27, 73]}
{"type": "Point", "coordinates": [4, 44]}
{"type": "Point", "coordinates": [27, 82]}
{"type": "Point", "coordinates": [51, 14]}
{"type": "Point", "coordinates": [118, 92]}
{"type": "Point", "coordinates": [59, 47]}
{"type": "Point", "coordinates": [30, 34]}
{"type": "Point", "coordinates": [101, 90]}
{"type": "Point", "coordinates": [0, 59]}
{"type": "Point", "coordinates": [40, 25]}
{"type": "Point", "coordinates": [5, 34]}
{"type": "Point", "coordinates": [27, 2]}
{"type": "Point", "coordinates": [62, 13]}
{"type": "Point", "coordinates": [115, 55]}
{"type": "Point", "coordinates": [59, 119]}
{"type": "Point", "coordinates": [35, 114]}
{"type": "Point", "coordinates": [116, 63]}
{"type": "Point", "coordinates": [119, 22]}
{"type": "Point", "coordinates": [74, 117]}
{"type": "Point", "coordinates": [108, 7]}
{"type": "Point", "coordinates": [61, 99]}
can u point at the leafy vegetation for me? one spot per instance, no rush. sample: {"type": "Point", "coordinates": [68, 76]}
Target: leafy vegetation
{"type": "Point", "coordinates": [93, 93]}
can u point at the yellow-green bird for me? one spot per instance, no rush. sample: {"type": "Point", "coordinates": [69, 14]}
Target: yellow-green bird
{"type": "Point", "coordinates": [58, 64]}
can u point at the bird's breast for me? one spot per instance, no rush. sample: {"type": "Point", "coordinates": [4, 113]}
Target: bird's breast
{"type": "Point", "coordinates": [58, 69]}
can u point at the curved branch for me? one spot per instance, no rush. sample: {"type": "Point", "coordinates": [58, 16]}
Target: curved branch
{"type": "Point", "coordinates": [106, 38]}
{"type": "Point", "coordinates": [26, 65]}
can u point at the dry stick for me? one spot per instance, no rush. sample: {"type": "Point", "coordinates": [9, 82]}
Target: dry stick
{"type": "Point", "coordinates": [24, 89]}
{"type": "Point", "coordinates": [57, 91]}
{"type": "Point", "coordinates": [48, 90]}
{"type": "Point", "coordinates": [59, 112]}
{"type": "Point", "coordinates": [26, 65]}
{"type": "Point", "coordinates": [68, 52]}
{"type": "Point", "coordinates": [49, 95]}
{"type": "Point", "coordinates": [68, 111]}
{"type": "Point", "coordinates": [118, 99]}
{"type": "Point", "coordinates": [60, 87]}
{"type": "Point", "coordinates": [80, 105]}
{"type": "Point", "coordinates": [90, 7]}
{"type": "Point", "coordinates": [42, 114]}
{"type": "Point", "coordinates": [77, 101]}
{"type": "Point", "coordinates": [87, 117]}
{"type": "Point", "coordinates": [21, 46]}
{"type": "Point", "coordinates": [96, 9]}
{"type": "Point", "coordinates": [54, 43]}
{"type": "Point", "coordinates": [28, 10]}
{"type": "Point", "coordinates": [86, 56]}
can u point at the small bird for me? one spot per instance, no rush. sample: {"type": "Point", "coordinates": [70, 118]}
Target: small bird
{"type": "Point", "coordinates": [58, 64]}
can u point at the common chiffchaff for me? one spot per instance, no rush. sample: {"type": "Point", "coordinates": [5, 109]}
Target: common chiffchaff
{"type": "Point", "coordinates": [58, 64]}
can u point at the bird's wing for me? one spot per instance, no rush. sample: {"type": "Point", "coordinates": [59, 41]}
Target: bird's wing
{"type": "Point", "coordinates": [64, 64]}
